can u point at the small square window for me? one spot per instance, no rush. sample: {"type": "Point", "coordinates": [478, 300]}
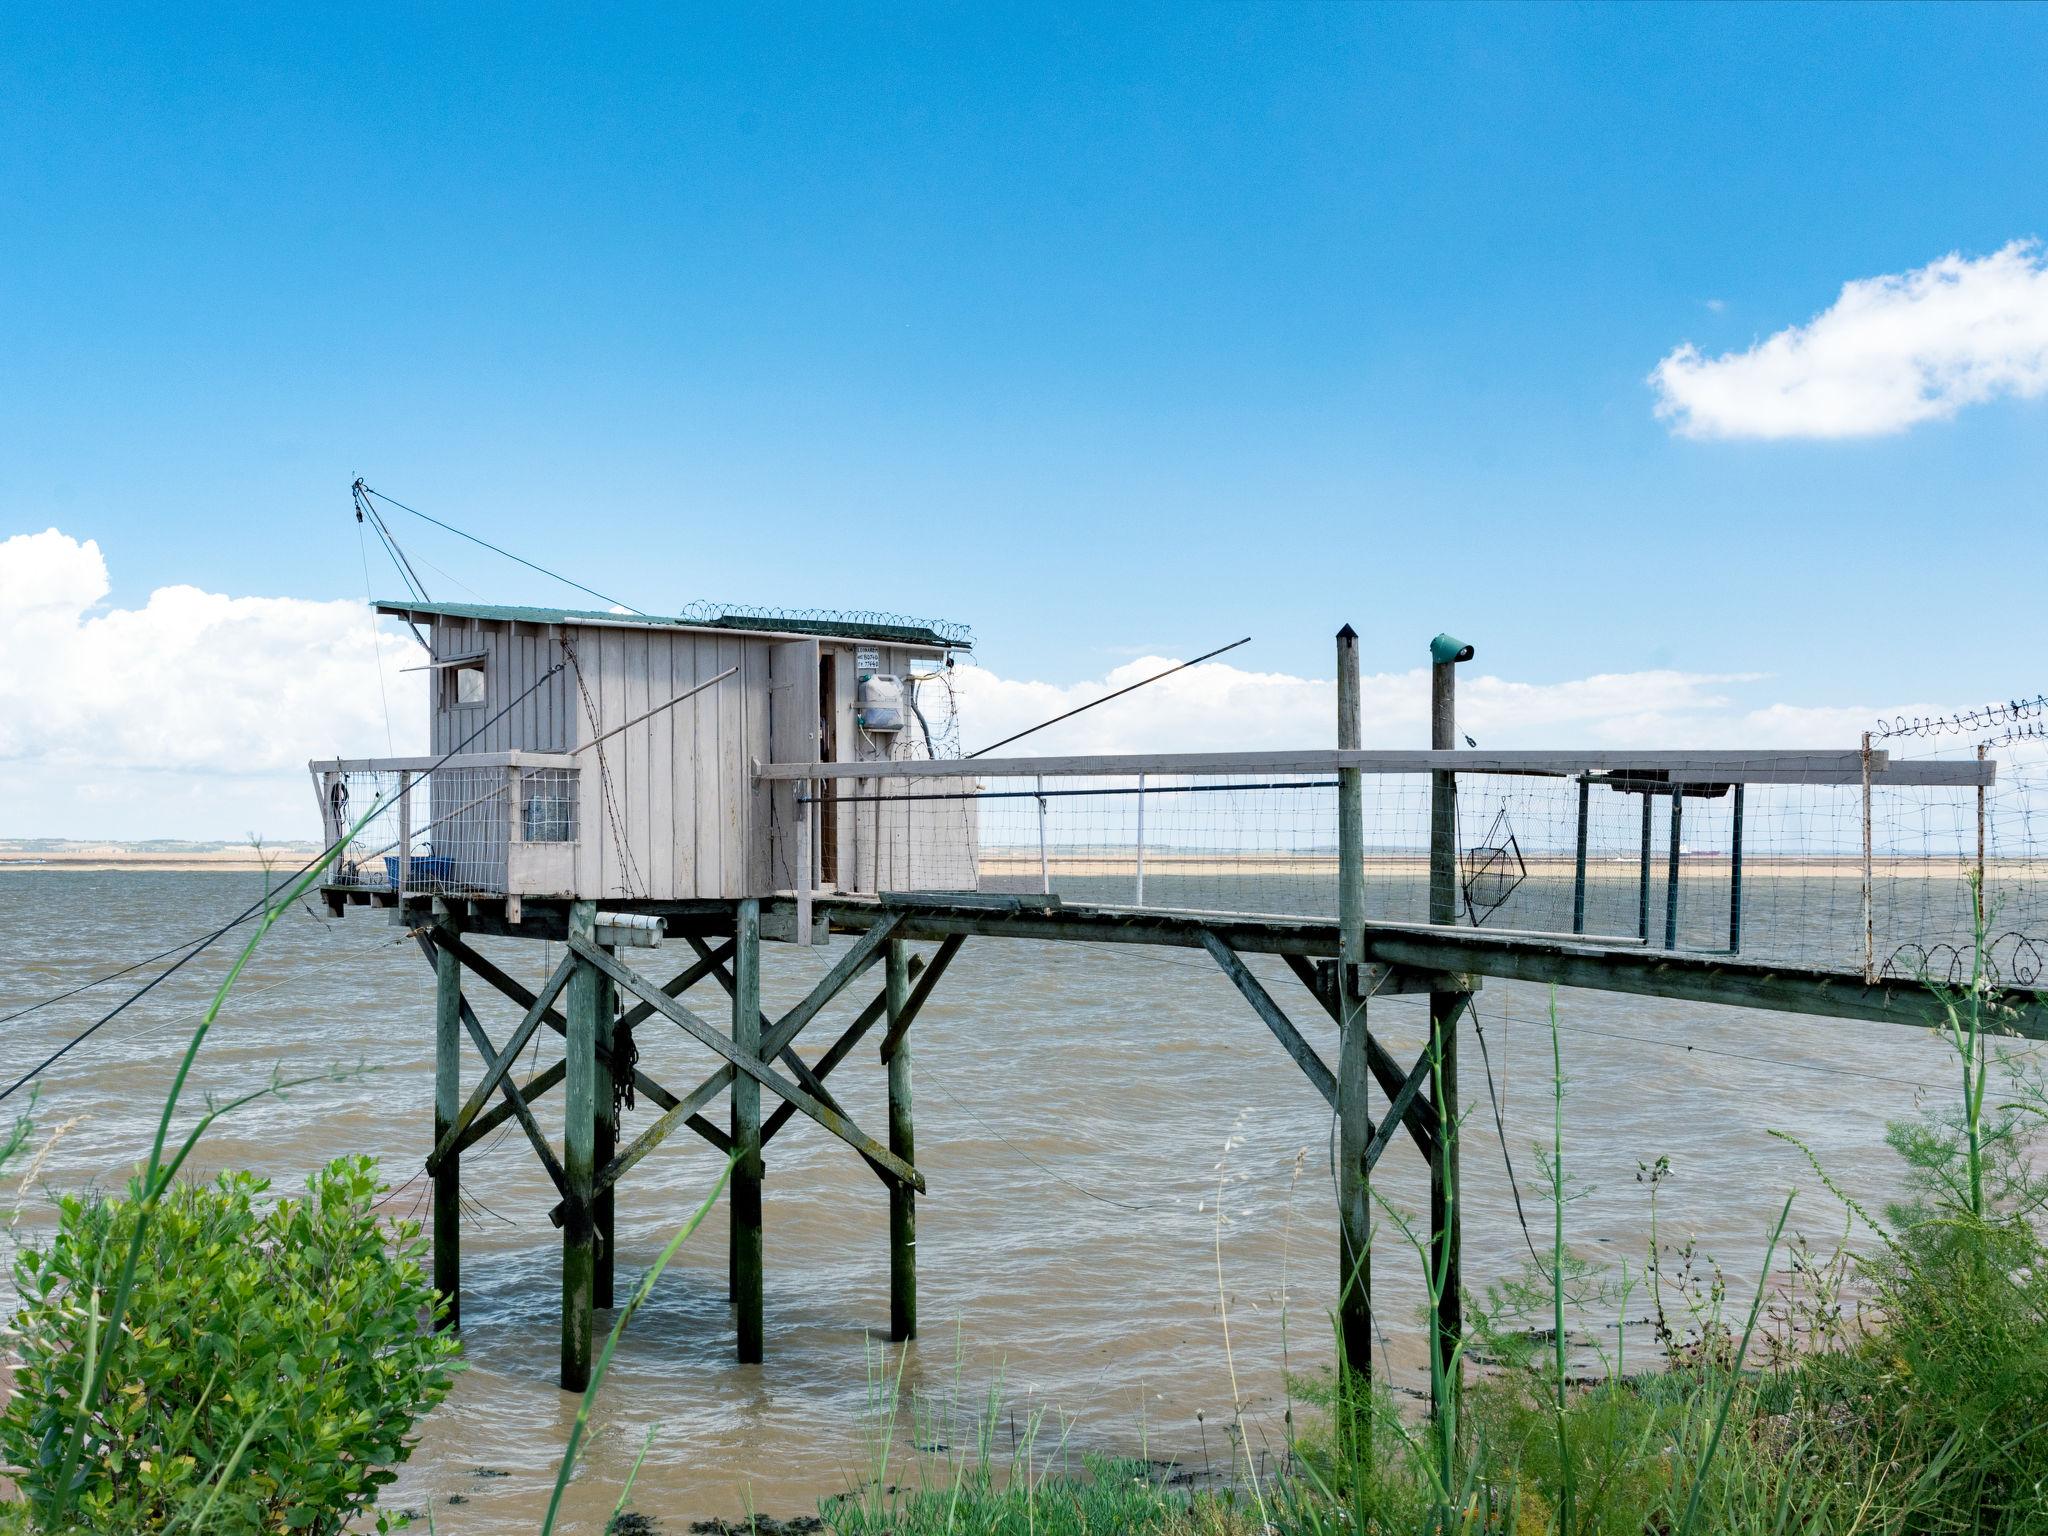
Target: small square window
{"type": "Point", "coordinates": [469, 684]}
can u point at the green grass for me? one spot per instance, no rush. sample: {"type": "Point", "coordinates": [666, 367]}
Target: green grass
{"type": "Point", "coordinates": [1922, 1411]}
{"type": "Point", "coordinates": [1897, 1386]}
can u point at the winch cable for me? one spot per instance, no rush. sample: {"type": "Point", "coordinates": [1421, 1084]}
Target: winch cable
{"type": "Point", "coordinates": [206, 941]}
{"type": "Point", "coordinates": [371, 497]}
{"type": "Point", "coordinates": [366, 510]}
{"type": "Point", "coordinates": [376, 639]}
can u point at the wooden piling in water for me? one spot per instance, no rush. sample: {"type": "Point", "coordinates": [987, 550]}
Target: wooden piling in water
{"type": "Point", "coordinates": [1579, 864]}
{"type": "Point", "coordinates": [1445, 1009]}
{"type": "Point", "coordinates": [1735, 876]}
{"type": "Point", "coordinates": [604, 1142]}
{"type": "Point", "coordinates": [448, 1105]}
{"type": "Point", "coordinates": [902, 1142]}
{"type": "Point", "coordinates": [1643, 874]}
{"type": "Point", "coordinates": [579, 1155]}
{"type": "Point", "coordinates": [1671, 857]}
{"type": "Point", "coordinates": [1354, 1108]}
{"type": "Point", "coordinates": [746, 1135]}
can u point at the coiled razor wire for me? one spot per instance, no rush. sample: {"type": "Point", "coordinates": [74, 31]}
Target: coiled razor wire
{"type": "Point", "coordinates": [706, 612]}
{"type": "Point", "coordinates": [2032, 730]}
{"type": "Point", "coordinates": [1968, 722]}
{"type": "Point", "coordinates": [2010, 960]}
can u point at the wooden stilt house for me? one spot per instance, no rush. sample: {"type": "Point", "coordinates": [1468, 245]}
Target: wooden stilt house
{"type": "Point", "coordinates": [613, 755]}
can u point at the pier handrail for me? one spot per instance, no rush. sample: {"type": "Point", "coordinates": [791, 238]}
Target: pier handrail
{"type": "Point", "coordinates": [461, 760]}
{"type": "Point", "coordinates": [1772, 766]}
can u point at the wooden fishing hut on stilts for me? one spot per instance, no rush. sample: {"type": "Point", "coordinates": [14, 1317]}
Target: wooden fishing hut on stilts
{"type": "Point", "coordinates": [617, 784]}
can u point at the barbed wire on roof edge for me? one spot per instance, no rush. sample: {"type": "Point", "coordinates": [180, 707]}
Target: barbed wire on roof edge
{"type": "Point", "coordinates": [705, 611]}
{"type": "Point", "coordinates": [2010, 960]}
{"type": "Point", "coordinates": [1966, 722]}
{"type": "Point", "coordinates": [2013, 735]}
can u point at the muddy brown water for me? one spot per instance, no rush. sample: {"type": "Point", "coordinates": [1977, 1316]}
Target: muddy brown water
{"type": "Point", "coordinates": [1078, 1109]}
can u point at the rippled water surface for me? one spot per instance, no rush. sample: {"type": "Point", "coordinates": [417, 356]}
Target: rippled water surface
{"type": "Point", "coordinates": [1077, 1108]}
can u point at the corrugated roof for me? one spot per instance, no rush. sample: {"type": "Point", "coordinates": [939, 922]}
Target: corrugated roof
{"type": "Point", "coordinates": [848, 629]}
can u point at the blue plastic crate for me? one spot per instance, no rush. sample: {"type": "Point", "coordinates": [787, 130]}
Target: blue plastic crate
{"type": "Point", "coordinates": [426, 870]}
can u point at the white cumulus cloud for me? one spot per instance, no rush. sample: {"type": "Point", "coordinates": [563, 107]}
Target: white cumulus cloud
{"type": "Point", "coordinates": [186, 716]}
{"type": "Point", "coordinates": [1889, 353]}
{"type": "Point", "coordinates": [1218, 707]}
{"type": "Point", "coordinates": [193, 714]}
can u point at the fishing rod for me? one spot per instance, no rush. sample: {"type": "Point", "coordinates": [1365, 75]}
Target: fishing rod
{"type": "Point", "coordinates": [1132, 688]}
{"type": "Point", "coordinates": [208, 940]}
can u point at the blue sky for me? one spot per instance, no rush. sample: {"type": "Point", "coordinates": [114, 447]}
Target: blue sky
{"type": "Point", "coordinates": [1110, 331]}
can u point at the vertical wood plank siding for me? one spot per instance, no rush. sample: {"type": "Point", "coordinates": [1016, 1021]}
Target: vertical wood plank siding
{"type": "Point", "coordinates": [682, 792]}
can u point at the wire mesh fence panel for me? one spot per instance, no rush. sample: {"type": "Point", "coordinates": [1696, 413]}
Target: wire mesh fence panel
{"type": "Point", "coordinates": [1174, 843]}
{"type": "Point", "coordinates": [360, 861]}
{"type": "Point", "coordinates": [1821, 874]}
{"type": "Point", "coordinates": [467, 831]}
{"type": "Point", "coordinates": [448, 830]}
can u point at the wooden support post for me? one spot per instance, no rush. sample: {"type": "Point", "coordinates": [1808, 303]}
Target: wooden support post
{"type": "Point", "coordinates": [746, 1134]}
{"type": "Point", "coordinates": [1671, 858]}
{"type": "Point", "coordinates": [1643, 877]}
{"type": "Point", "coordinates": [806, 799]}
{"type": "Point", "coordinates": [604, 1143]}
{"type": "Point", "coordinates": [1044, 862]}
{"type": "Point", "coordinates": [1445, 1009]}
{"type": "Point", "coordinates": [1735, 877]}
{"type": "Point", "coordinates": [579, 1156]}
{"type": "Point", "coordinates": [1354, 1108]}
{"type": "Point", "coordinates": [1869, 912]}
{"type": "Point", "coordinates": [405, 783]}
{"type": "Point", "coordinates": [1140, 900]}
{"type": "Point", "coordinates": [447, 1105]}
{"type": "Point", "coordinates": [903, 1142]}
{"type": "Point", "coordinates": [1579, 869]}
{"type": "Point", "coordinates": [1977, 915]}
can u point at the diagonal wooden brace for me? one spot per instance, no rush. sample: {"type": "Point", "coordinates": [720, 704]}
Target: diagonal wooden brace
{"type": "Point", "coordinates": [625, 977]}
{"type": "Point", "coordinates": [684, 1111]}
{"type": "Point", "coordinates": [841, 1048]}
{"type": "Point", "coordinates": [540, 1083]}
{"type": "Point", "coordinates": [1420, 1115]}
{"type": "Point", "coordinates": [497, 1066]}
{"type": "Point", "coordinates": [865, 952]}
{"type": "Point", "coordinates": [775, 1043]}
{"type": "Point", "coordinates": [552, 1017]}
{"type": "Point", "coordinates": [709, 961]}
{"type": "Point", "coordinates": [667, 1100]}
{"type": "Point", "coordinates": [515, 1097]}
{"type": "Point", "coordinates": [1417, 1076]}
{"type": "Point", "coordinates": [1263, 1005]}
{"type": "Point", "coordinates": [519, 994]}
{"type": "Point", "coordinates": [798, 1068]}
{"type": "Point", "coordinates": [483, 968]}
{"type": "Point", "coordinates": [941, 958]}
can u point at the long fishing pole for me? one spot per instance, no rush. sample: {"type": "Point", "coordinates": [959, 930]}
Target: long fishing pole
{"type": "Point", "coordinates": [260, 905]}
{"type": "Point", "coordinates": [1081, 709]}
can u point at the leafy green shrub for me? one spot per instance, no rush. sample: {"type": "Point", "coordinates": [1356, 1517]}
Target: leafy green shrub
{"type": "Point", "coordinates": [272, 1361]}
{"type": "Point", "coordinates": [1952, 1382]}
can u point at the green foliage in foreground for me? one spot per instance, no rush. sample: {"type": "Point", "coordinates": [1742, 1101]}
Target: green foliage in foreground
{"type": "Point", "coordinates": [1920, 1410]}
{"type": "Point", "coordinates": [274, 1357]}
{"type": "Point", "coordinates": [1108, 1496]}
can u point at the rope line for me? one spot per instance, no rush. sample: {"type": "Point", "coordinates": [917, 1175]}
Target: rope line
{"type": "Point", "coordinates": [1034, 1162]}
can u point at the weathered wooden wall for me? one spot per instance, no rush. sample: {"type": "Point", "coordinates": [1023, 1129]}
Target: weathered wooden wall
{"type": "Point", "coordinates": [677, 790]}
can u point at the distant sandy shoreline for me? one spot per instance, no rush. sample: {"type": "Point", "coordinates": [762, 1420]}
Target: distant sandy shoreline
{"type": "Point", "coordinates": [283, 858]}
{"type": "Point", "coordinates": [1009, 862]}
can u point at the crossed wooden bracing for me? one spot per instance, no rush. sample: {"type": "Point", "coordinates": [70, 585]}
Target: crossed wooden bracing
{"type": "Point", "coordinates": [581, 1003]}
